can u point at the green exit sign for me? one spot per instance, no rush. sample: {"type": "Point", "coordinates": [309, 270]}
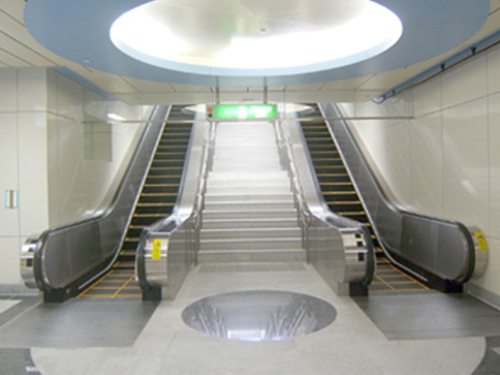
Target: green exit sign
{"type": "Point", "coordinates": [242, 111]}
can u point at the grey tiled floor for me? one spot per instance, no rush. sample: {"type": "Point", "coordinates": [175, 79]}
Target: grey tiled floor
{"type": "Point", "coordinates": [430, 315]}
{"type": "Point", "coordinates": [352, 345]}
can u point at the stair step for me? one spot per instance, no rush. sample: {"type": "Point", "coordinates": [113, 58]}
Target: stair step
{"type": "Point", "coordinates": [213, 197]}
{"type": "Point", "coordinates": [249, 223]}
{"type": "Point", "coordinates": [232, 190]}
{"type": "Point", "coordinates": [255, 244]}
{"type": "Point", "coordinates": [237, 233]}
{"type": "Point", "coordinates": [261, 214]}
{"type": "Point", "coordinates": [246, 183]}
{"type": "Point", "coordinates": [247, 206]}
{"type": "Point", "coordinates": [244, 175]}
{"type": "Point", "coordinates": [229, 256]}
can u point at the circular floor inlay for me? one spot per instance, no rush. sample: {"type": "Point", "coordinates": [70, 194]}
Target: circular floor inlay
{"type": "Point", "coordinates": [259, 315]}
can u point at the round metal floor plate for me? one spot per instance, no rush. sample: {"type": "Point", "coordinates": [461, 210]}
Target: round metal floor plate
{"type": "Point", "coordinates": [259, 315]}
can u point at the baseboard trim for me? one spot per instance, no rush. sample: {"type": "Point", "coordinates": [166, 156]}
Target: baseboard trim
{"type": "Point", "coordinates": [484, 295]}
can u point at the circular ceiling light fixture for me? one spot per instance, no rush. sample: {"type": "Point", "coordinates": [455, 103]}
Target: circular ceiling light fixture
{"type": "Point", "coordinates": [226, 38]}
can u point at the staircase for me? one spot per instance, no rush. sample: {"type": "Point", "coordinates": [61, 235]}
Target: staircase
{"type": "Point", "coordinates": [249, 213]}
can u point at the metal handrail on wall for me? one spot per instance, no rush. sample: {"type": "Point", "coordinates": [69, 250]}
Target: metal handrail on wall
{"type": "Point", "coordinates": [339, 248]}
{"type": "Point", "coordinates": [63, 260]}
{"type": "Point", "coordinates": [442, 252]}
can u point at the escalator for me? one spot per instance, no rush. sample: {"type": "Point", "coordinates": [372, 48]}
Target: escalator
{"type": "Point", "coordinates": [159, 193]}
{"type": "Point", "coordinates": [156, 200]}
{"type": "Point", "coordinates": [95, 257]}
{"type": "Point", "coordinates": [414, 252]}
{"type": "Point", "coordinates": [335, 183]}
{"type": "Point", "coordinates": [341, 197]}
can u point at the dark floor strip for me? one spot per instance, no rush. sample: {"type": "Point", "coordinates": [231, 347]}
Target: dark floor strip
{"type": "Point", "coordinates": [17, 362]}
{"type": "Point", "coordinates": [78, 323]}
{"type": "Point", "coordinates": [430, 315]}
{"type": "Point", "coordinates": [490, 364]}
{"type": "Point", "coordinates": [25, 304]}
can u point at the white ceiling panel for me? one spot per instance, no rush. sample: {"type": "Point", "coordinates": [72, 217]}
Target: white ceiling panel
{"type": "Point", "coordinates": [190, 88]}
{"type": "Point", "coordinates": [143, 86]}
{"type": "Point", "coordinates": [22, 51]}
{"type": "Point", "coordinates": [350, 84]}
{"type": "Point", "coordinates": [108, 82]}
{"type": "Point", "coordinates": [20, 40]}
{"type": "Point", "coordinates": [13, 8]}
{"type": "Point", "coordinates": [495, 5]}
{"type": "Point", "coordinates": [9, 59]}
{"type": "Point", "coordinates": [308, 87]}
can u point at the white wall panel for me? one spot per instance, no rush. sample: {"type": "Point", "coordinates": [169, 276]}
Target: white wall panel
{"type": "Point", "coordinates": [8, 150]}
{"type": "Point", "coordinates": [9, 254]}
{"type": "Point", "coordinates": [72, 185]}
{"type": "Point", "coordinates": [52, 78]}
{"type": "Point", "coordinates": [397, 150]}
{"type": "Point", "coordinates": [9, 167]}
{"type": "Point", "coordinates": [32, 89]}
{"type": "Point", "coordinates": [52, 169]}
{"type": "Point", "coordinates": [493, 61]}
{"type": "Point", "coordinates": [494, 148]}
{"type": "Point", "coordinates": [427, 98]}
{"type": "Point", "coordinates": [8, 90]}
{"type": "Point", "coordinates": [465, 83]}
{"type": "Point", "coordinates": [33, 184]}
{"type": "Point", "coordinates": [426, 165]}
{"type": "Point", "coordinates": [465, 163]}
{"type": "Point", "coordinates": [69, 99]}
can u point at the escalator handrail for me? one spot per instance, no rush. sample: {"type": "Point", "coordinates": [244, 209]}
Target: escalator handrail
{"type": "Point", "coordinates": [39, 243]}
{"type": "Point", "coordinates": [471, 247]}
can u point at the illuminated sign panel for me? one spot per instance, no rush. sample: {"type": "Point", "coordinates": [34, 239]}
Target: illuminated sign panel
{"type": "Point", "coordinates": [242, 112]}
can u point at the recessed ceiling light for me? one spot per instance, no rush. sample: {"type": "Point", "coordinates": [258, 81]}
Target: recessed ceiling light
{"type": "Point", "coordinates": [228, 35]}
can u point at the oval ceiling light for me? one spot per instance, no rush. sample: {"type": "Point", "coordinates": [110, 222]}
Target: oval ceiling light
{"type": "Point", "coordinates": [227, 36]}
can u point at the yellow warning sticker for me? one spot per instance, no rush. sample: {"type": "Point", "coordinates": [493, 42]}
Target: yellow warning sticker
{"type": "Point", "coordinates": [156, 253]}
{"type": "Point", "coordinates": [481, 241]}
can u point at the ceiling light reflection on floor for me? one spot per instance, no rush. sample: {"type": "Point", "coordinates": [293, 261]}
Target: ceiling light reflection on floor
{"type": "Point", "coordinates": [227, 35]}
